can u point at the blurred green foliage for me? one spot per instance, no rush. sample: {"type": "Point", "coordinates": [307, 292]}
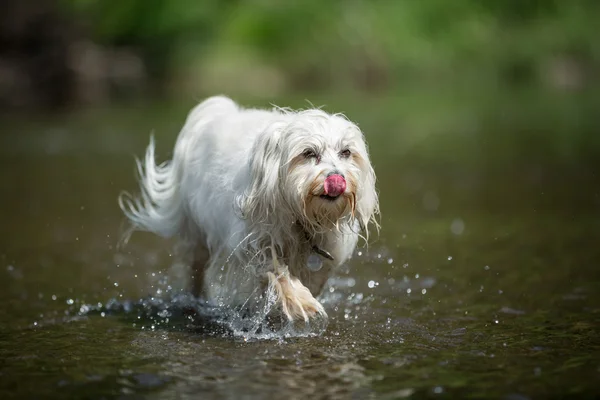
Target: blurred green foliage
{"type": "Point", "coordinates": [506, 75]}
{"type": "Point", "coordinates": [404, 33]}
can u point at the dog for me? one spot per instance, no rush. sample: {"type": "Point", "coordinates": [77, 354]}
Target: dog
{"type": "Point", "coordinates": [265, 204]}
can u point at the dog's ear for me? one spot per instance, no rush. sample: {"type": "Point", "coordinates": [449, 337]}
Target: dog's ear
{"type": "Point", "coordinates": [262, 195]}
{"type": "Point", "coordinates": [367, 207]}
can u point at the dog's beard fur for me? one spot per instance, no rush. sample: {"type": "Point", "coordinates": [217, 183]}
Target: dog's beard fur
{"type": "Point", "coordinates": [248, 185]}
{"type": "Point", "coordinates": [321, 214]}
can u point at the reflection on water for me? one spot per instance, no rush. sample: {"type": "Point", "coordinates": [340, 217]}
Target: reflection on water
{"type": "Point", "coordinates": [480, 285]}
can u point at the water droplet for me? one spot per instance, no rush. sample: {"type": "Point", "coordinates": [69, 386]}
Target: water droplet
{"type": "Point", "coordinates": [431, 201]}
{"type": "Point", "coordinates": [390, 260]}
{"type": "Point", "coordinates": [423, 291]}
{"type": "Point", "coordinates": [359, 253]}
{"type": "Point", "coordinates": [408, 290]}
{"type": "Point", "coordinates": [314, 262]}
{"type": "Point", "coordinates": [457, 227]}
{"type": "Point", "coordinates": [416, 276]}
{"type": "Point", "coordinates": [487, 267]}
{"type": "Point", "coordinates": [116, 284]}
{"type": "Point", "coordinates": [449, 258]}
{"type": "Point", "coordinates": [53, 297]}
{"type": "Point", "coordinates": [102, 314]}
{"type": "Point", "coordinates": [438, 390]}
{"type": "Point", "coordinates": [70, 301]}
{"type": "Point", "coordinates": [372, 284]}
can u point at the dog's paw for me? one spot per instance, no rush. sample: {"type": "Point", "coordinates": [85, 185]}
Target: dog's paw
{"type": "Point", "coordinates": [295, 300]}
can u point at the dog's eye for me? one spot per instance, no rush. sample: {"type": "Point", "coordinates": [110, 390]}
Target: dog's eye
{"type": "Point", "coordinates": [345, 153]}
{"type": "Point", "coordinates": [308, 153]}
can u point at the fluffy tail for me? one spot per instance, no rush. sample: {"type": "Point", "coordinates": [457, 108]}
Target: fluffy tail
{"type": "Point", "coordinates": [158, 207]}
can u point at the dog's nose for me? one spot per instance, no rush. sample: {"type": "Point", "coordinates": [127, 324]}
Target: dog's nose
{"type": "Point", "coordinates": [334, 185]}
{"type": "Point", "coordinates": [336, 173]}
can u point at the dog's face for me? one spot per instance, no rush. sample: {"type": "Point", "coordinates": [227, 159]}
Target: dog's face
{"type": "Point", "coordinates": [314, 169]}
{"type": "Point", "coordinates": [326, 171]}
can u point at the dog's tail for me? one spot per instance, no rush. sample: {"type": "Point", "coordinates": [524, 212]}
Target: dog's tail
{"type": "Point", "coordinates": [160, 207]}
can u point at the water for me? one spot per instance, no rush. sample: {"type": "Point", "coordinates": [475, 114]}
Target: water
{"type": "Point", "coordinates": [481, 284]}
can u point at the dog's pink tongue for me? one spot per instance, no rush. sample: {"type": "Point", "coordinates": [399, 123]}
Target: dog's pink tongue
{"type": "Point", "coordinates": [334, 185]}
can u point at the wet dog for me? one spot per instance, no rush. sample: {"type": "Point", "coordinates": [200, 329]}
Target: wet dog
{"type": "Point", "coordinates": [264, 203]}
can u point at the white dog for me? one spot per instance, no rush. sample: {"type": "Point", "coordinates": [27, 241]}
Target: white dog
{"type": "Point", "coordinates": [264, 203]}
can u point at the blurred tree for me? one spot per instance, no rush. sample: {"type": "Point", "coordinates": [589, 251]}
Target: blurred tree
{"type": "Point", "coordinates": [321, 43]}
{"type": "Point", "coordinates": [34, 42]}
{"type": "Point", "coordinates": [344, 44]}
{"type": "Point", "coordinates": [156, 28]}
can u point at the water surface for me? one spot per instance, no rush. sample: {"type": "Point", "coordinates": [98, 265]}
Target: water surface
{"type": "Point", "coordinates": [484, 282]}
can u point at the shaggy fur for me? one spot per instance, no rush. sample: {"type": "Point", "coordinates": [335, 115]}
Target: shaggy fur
{"type": "Point", "coordinates": [245, 196]}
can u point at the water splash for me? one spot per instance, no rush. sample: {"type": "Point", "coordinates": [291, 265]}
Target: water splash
{"type": "Point", "coordinates": [169, 308]}
{"type": "Point", "coordinates": [265, 325]}
{"type": "Point", "coordinates": [186, 312]}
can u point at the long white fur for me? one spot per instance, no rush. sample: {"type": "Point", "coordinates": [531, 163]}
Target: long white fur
{"type": "Point", "coordinates": [239, 187]}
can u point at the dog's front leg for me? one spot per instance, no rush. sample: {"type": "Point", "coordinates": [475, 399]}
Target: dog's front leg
{"type": "Point", "coordinates": [295, 300]}
{"type": "Point", "coordinates": [199, 263]}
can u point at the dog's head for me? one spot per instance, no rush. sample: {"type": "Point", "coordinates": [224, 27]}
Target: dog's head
{"type": "Point", "coordinates": [311, 167]}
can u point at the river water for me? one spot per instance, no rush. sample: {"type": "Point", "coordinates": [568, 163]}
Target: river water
{"type": "Point", "coordinates": [483, 283]}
